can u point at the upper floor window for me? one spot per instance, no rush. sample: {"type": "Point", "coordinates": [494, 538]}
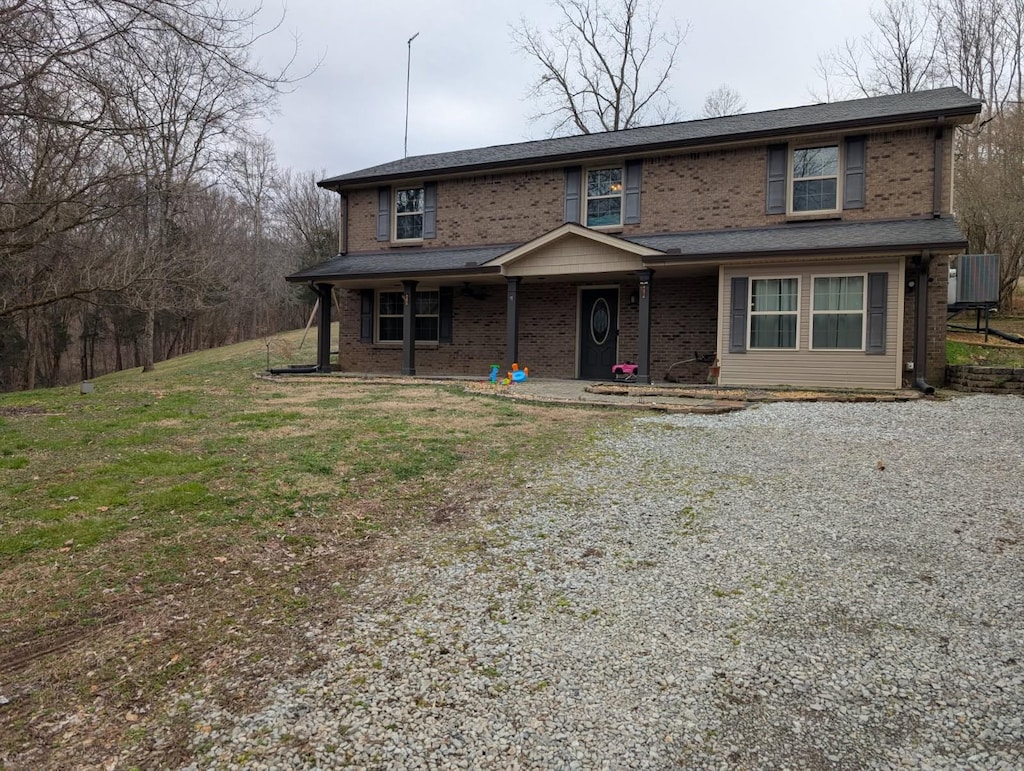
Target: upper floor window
{"type": "Point", "coordinates": [815, 179]}
{"type": "Point", "coordinates": [391, 316]}
{"type": "Point", "coordinates": [604, 197]}
{"type": "Point", "coordinates": [773, 312]}
{"type": "Point", "coordinates": [409, 213]}
{"type": "Point", "coordinates": [818, 179]}
{"type": "Point", "coordinates": [837, 312]}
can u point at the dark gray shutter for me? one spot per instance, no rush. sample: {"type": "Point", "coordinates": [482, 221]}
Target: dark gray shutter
{"type": "Point", "coordinates": [738, 316]}
{"type": "Point", "coordinates": [853, 185]}
{"type": "Point", "coordinates": [778, 161]}
{"type": "Point", "coordinates": [573, 180]}
{"type": "Point", "coordinates": [384, 214]}
{"type": "Point", "coordinates": [366, 315]}
{"type": "Point", "coordinates": [878, 291]}
{"type": "Point", "coordinates": [631, 200]}
{"type": "Point", "coordinates": [444, 314]}
{"type": "Point", "coordinates": [430, 210]}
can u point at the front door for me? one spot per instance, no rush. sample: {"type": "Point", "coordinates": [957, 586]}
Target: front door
{"type": "Point", "coordinates": [599, 331]}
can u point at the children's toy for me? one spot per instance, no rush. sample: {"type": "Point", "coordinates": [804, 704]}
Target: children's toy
{"type": "Point", "coordinates": [625, 371]}
{"type": "Point", "coordinates": [494, 373]}
{"type": "Point", "coordinates": [516, 375]}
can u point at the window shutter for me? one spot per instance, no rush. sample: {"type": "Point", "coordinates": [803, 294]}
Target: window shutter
{"type": "Point", "coordinates": [878, 290]}
{"type": "Point", "coordinates": [738, 316]}
{"type": "Point", "coordinates": [384, 214]}
{"type": "Point", "coordinates": [430, 210]}
{"type": "Point", "coordinates": [366, 316]}
{"type": "Point", "coordinates": [573, 178]}
{"type": "Point", "coordinates": [631, 201]}
{"type": "Point", "coordinates": [853, 185]}
{"type": "Point", "coordinates": [778, 160]}
{"type": "Point", "coordinates": [444, 320]}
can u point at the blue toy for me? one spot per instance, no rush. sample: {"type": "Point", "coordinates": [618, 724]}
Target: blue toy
{"type": "Point", "coordinates": [494, 373]}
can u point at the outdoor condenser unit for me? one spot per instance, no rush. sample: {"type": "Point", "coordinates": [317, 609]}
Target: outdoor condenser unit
{"type": "Point", "coordinates": [974, 281]}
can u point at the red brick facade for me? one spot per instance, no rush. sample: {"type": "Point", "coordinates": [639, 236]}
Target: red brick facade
{"type": "Point", "coordinates": [722, 188]}
{"type": "Point", "coordinates": [702, 190]}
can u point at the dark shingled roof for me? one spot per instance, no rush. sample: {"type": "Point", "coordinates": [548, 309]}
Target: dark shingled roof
{"type": "Point", "coordinates": [779, 241]}
{"type": "Point", "coordinates": [823, 237]}
{"type": "Point", "coordinates": [410, 262]}
{"type": "Point", "coordinates": [921, 105]}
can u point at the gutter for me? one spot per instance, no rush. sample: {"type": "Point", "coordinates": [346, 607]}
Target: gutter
{"type": "Point", "coordinates": [921, 324]}
{"type": "Point", "coordinates": [654, 147]}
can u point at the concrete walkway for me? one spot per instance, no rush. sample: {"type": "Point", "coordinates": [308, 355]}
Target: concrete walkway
{"type": "Point", "coordinates": [577, 392]}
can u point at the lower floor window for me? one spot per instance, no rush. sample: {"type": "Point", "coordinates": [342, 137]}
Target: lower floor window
{"type": "Point", "coordinates": [391, 316]}
{"type": "Point", "coordinates": [838, 312]}
{"type": "Point", "coordinates": [773, 312]}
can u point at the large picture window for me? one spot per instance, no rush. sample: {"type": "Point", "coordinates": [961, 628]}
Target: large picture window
{"type": "Point", "coordinates": [774, 306]}
{"type": "Point", "coordinates": [815, 179]}
{"type": "Point", "coordinates": [409, 214]}
{"type": "Point", "coordinates": [604, 198]}
{"type": "Point", "coordinates": [837, 312]}
{"type": "Point", "coordinates": [391, 314]}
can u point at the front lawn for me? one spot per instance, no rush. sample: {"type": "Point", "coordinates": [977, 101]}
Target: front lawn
{"type": "Point", "coordinates": [189, 530]}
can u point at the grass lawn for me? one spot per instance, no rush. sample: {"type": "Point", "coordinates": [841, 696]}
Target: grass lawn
{"type": "Point", "coordinates": [971, 348]}
{"type": "Point", "coordinates": [186, 531]}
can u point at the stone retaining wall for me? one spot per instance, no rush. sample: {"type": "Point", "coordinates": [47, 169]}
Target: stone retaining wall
{"type": "Point", "coordinates": [990, 380]}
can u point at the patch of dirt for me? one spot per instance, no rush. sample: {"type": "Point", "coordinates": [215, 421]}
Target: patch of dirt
{"type": "Point", "coordinates": [978, 338]}
{"type": "Point", "coordinates": [13, 412]}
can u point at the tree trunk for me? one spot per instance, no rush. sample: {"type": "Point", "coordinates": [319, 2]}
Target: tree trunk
{"type": "Point", "coordinates": [147, 340]}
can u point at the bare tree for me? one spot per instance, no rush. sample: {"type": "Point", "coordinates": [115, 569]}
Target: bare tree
{"type": "Point", "coordinates": [723, 101]}
{"type": "Point", "coordinates": [604, 67]}
{"type": "Point", "coordinates": [898, 57]}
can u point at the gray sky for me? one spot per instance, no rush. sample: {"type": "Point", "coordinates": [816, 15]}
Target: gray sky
{"type": "Point", "coordinates": [469, 84]}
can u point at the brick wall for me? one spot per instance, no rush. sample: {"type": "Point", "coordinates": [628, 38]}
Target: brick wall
{"type": "Point", "coordinates": [683, 321]}
{"type": "Point", "coordinates": [683, 191]}
{"type": "Point", "coordinates": [938, 278]}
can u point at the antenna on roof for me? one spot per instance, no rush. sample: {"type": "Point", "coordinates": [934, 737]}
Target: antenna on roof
{"type": "Point", "coordinates": [408, 72]}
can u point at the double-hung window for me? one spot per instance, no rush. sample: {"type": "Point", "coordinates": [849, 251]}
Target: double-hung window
{"type": "Point", "coordinates": [837, 312]}
{"type": "Point", "coordinates": [815, 179]}
{"type": "Point", "coordinates": [409, 213]}
{"type": "Point", "coordinates": [774, 305]}
{"type": "Point", "coordinates": [391, 315]}
{"type": "Point", "coordinates": [604, 197]}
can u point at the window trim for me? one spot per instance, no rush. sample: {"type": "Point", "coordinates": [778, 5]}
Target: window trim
{"type": "Point", "coordinates": [791, 178]}
{"type": "Point", "coordinates": [377, 316]}
{"type": "Point", "coordinates": [751, 313]}
{"type": "Point", "coordinates": [585, 198]}
{"type": "Point", "coordinates": [395, 214]}
{"type": "Point", "coordinates": [863, 312]}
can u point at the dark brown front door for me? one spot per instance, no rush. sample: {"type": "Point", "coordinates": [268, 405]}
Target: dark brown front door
{"type": "Point", "coordinates": [599, 331]}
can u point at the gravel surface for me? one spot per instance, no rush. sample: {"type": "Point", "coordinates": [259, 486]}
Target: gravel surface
{"type": "Point", "coordinates": [817, 585]}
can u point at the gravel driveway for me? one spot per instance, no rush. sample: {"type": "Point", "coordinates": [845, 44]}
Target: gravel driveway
{"type": "Point", "coordinates": [817, 585]}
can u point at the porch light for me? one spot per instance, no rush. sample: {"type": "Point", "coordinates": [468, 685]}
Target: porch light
{"type": "Point", "coordinates": [634, 301]}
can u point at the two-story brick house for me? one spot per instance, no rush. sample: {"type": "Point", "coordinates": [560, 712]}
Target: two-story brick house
{"type": "Point", "coordinates": [805, 246]}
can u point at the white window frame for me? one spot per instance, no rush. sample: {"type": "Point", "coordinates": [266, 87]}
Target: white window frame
{"type": "Point", "coordinates": [395, 213]}
{"type": "Point", "coordinates": [793, 179]}
{"type": "Point", "coordinates": [621, 195]}
{"type": "Point", "coordinates": [863, 311]}
{"type": "Point", "coordinates": [751, 313]}
{"type": "Point", "coordinates": [377, 316]}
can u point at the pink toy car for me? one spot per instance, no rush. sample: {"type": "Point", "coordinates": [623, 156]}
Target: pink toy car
{"type": "Point", "coordinates": [624, 371]}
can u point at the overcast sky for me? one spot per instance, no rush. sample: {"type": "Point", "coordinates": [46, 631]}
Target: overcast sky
{"type": "Point", "coordinates": [468, 84]}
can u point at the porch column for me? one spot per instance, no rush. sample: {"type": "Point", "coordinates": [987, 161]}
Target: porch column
{"type": "Point", "coordinates": [643, 372]}
{"type": "Point", "coordinates": [512, 323]}
{"type": "Point", "coordinates": [409, 328]}
{"type": "Point", "coordinates": [323, 328]}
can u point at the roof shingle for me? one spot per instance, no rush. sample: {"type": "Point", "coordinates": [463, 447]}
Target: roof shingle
{"type": "Point", "coordinates": [948, 102]}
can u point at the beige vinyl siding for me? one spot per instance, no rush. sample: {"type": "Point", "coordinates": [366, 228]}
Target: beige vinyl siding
{"type": "Point", "coordinates": [806, 367]}
{"type": "Point", "coordinates": [574, 256]}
